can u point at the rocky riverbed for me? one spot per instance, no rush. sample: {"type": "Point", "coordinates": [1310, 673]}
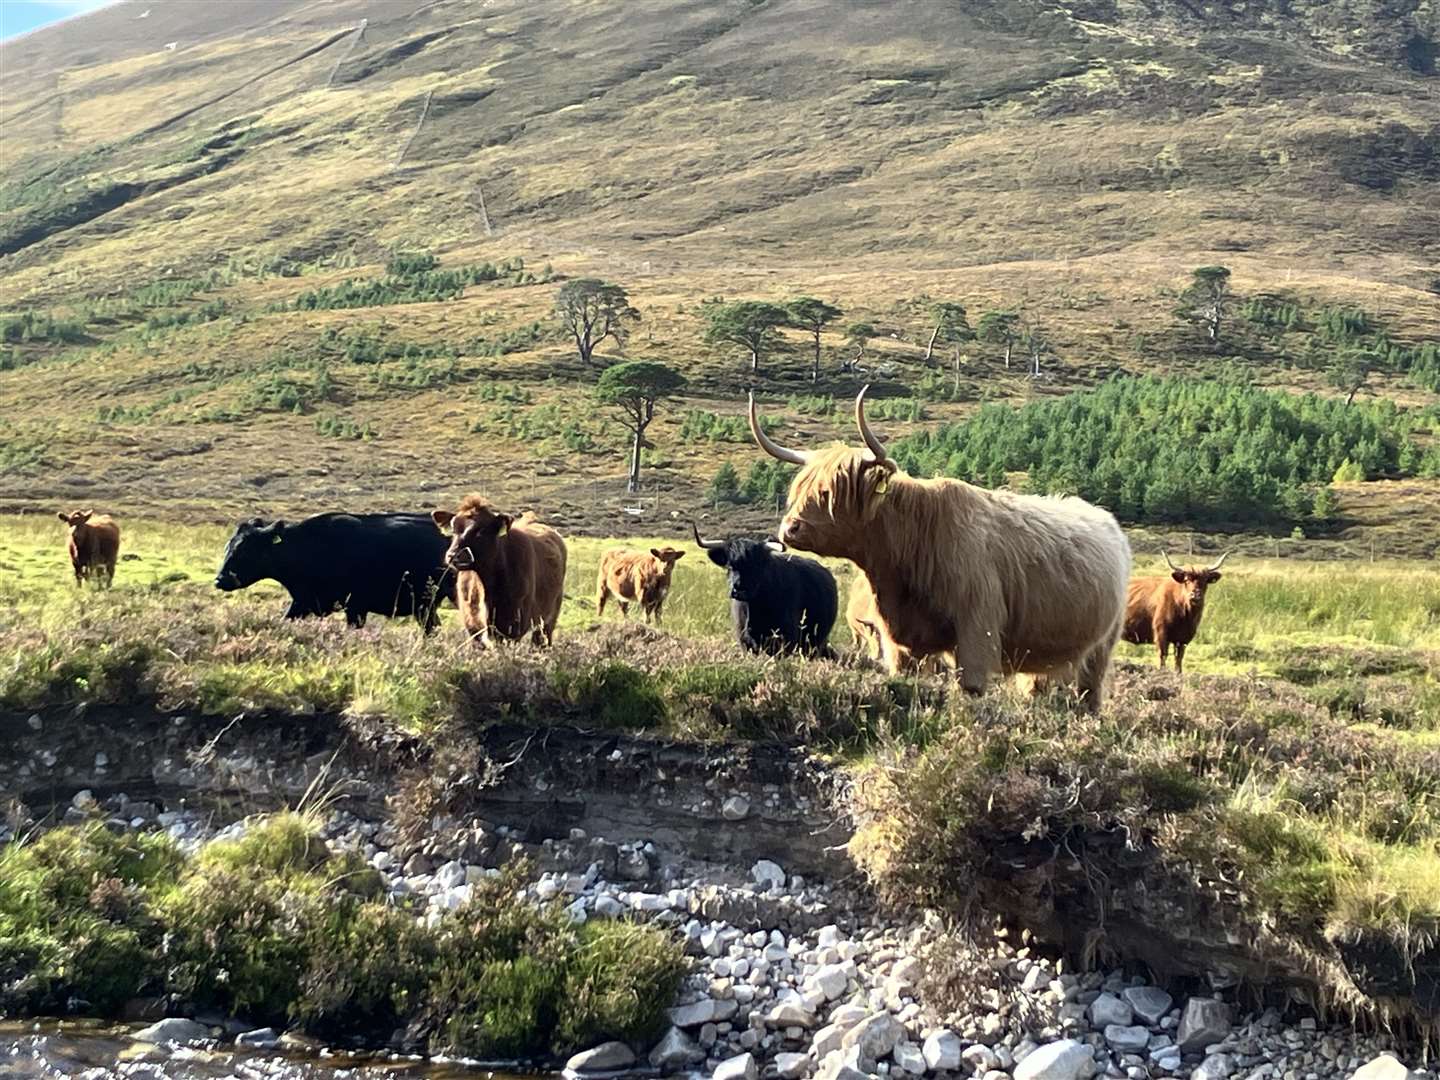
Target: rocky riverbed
{"type": "Point", "coordinates": [790, 978]}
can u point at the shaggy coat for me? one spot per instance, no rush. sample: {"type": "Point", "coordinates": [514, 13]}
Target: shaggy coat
{"type": "Point", "coordinates": [989, 581]}
{"type": "Point", "coordinates": [780, 604]}
{"type": "Point", "coordinates": [863, 618]}
{"type": "Point", "coordinates": [511, 571]}
{"type": "Point", "coordinates": [636, 577]}
{"type": "Point", "coordinates": [361, 564]}
{"type": "Point", "coordinates": [1165, 611]}
{"type": "Point", "coordinates": [94, 545]}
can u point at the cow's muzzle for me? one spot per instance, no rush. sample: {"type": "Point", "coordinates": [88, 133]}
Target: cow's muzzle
{"type": "Point", "coordinates": [460, 560]}
{"type": "Point", "coordinates": [227, 581]}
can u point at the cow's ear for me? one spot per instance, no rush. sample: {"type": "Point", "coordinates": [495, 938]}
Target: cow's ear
{"type": "Point", "coordinates": [62, 516]}
{"type": "Point", "coordinates": [1178, 575]}
{"type": "Point", "coordinates": [442, 519]}
{"type": "Point", "coordinates": [658, 553]}
{"type": "Point", "coordinates": [1212, 577]}
{"type": "Point", "coordinates": [719, 556]}
{"type": "Point", "coordinates": [506, 520]}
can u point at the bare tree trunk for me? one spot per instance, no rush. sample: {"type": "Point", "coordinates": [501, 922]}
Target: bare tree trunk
{"type": "Point", "coordinates": [1008, 347]}
{"type": "Point", "coordinates": [754, 361]}
{"type": "Point", "coordinates": [633, 484]}
{"type": "Point", "coordinates": [930, 348]}
{"type": "Point", "coordinates": [957, 370]}
{"type": "Point", "coordinates": [815, 371]}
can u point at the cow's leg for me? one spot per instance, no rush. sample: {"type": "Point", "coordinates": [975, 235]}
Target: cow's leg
{"type": "Point", "coordinates": [1162, 646]}
{"type": "Point", "coordinates": [1179, 658]}
{"type": "Point", "coordinates": [624, 609]}
{"type": "Point", "coordinates": [974, 657]}
{"type": "Point", "coordinates": [355, 617]}
{"type": "Point", "coordinates": [1090, 679]}
{"type": "Point", "coordinates": [600, 597]}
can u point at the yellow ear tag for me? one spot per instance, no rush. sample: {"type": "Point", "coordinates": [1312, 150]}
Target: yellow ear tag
{"type": "Point", "coordinates": [277, 539]}
{"type": "Point", "coordinates": [883, 486]}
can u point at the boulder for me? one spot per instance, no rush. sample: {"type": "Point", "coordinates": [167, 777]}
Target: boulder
{"type": "Point", "coordinates": [1384, 1067]}
{"type": "Point", "coordinates": [259, 1039]}
{"type": "Point", "coordinates": [1063, 1060]}
{"type": "Point", "coordinates": [791, 1066]}
{"type": "Point", "coordinates": [735, 808]}
{"type": "Point", "coordinates": [943, 1051]}
{"type": "Point", "coordinates": [830, 980]}
{"type": "Point", "coordinates": [741, 1067]}
{"type": "Point", "coordinates": [1203, 1022]}
{"type": "Point", "coordinates": [174, 1030]}
{"type": "Point", "coordinates": [1214, 1067]}
{"type": "Point", "coordinates": [790, 1014]}
{"type": "Point", "coordinates": [979, 1057]}
{"type": "Point", "coordinates": [1149, 1002]}
{"type": "Point", "coordinates": [676, 1050]}
{"type": "Point", "coordinates": [768, 875]}
{"type": "Point", "coordinates": [908, 1057]}
{"type": "Point", "coordinates": [704, 1011]}
{"type": "Point", "coordinates": [875, 1036]}
{"type": "Point", "coordinates": [1127, 1039]}
{"type": "Point", "coordinates": [1108, 1009]}
{"type": "Point", "coordinates": [607, 1057]}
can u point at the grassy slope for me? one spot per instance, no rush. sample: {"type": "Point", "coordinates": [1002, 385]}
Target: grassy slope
{"type": "Point", "coordinates": [871, 156]}
{"type": "Point", "coordinates": [1293, 777]}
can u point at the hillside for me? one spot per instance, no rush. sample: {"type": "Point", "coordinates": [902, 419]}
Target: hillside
{"type": "Point", "coordinates": [159, 205]}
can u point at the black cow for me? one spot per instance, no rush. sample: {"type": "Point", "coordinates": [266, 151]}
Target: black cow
{"type": "Point", "coordinates": [389, 564]}
{"type": "Point", "coordinates": [780, 603]}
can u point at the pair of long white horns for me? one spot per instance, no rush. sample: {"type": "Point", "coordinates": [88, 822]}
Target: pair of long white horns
{"type": "Point", "coordinates": [873, 445]}
{"type": "Point", "coordinates": [1218, 562]}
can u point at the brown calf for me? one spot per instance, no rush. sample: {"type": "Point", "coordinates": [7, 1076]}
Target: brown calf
{"type": "Point", "coordinates": [633, 577]}
{"type": "Point", "coordinates": [511, 571]}
{"type": "Point", "coordinates": [94, 545]}
{"type": "Point", "coordinates": [1165, 611]}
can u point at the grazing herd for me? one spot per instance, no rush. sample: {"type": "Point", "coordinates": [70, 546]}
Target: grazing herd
{"type": "Point", "coordinates": [984, 583]}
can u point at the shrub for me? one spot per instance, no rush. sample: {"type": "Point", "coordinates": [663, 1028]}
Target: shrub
{"type": "Point", "coordinates": [622, 979]}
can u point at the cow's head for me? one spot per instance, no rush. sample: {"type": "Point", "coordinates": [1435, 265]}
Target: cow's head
{"type": "Point", "coordinates": [666, 558]}
{"type": "Point", "coordinates": [75, 518]}
{"type": "Point", "coordinates": [837, 492]}
{"type": "Point", "coordinates": [475, 530]}
{"type": "Point", "coordinates": [251, 554]}
{"type": "Point", "coordinates": [747, 562]}
{"type": "Point", "coordinates": [1194, 580]}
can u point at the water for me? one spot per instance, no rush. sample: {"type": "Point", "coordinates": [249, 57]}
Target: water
{"type": "Point", "coordinates": [68, 1048]}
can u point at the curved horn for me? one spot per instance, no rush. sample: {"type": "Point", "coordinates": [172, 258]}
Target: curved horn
{"type": "Point", "coordinates": [872, 441]}
{"type": "Point", "coordinates": [708, 545]}
{"type": "Point", "coordinates": [775, 545]}
{"type": "Point", "coordinates": [769, 445]}
{"type": "Point", "coordinates": [1167, 559]}
{"type": "Point", "coordinates": [1221, 561]}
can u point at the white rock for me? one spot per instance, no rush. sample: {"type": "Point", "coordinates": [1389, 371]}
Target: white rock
{"type": "Point", "coordinates": [607, 906]}
{"type": "Point", "coordinates": [546, 889]}
{"type": "Point", "coordinates": [908, 1057]}
{"type": "Point", "coordinates": [1126, 1039]}
{"type": "Point", "coordinates": [705, 1011]}
{"type": "Point", "coordinates": [827, 1039]}
{"type": "Point", "coordinates": [875, 1036]}
{"type": "Point", "coordinates": [1214, 1067]}
{"type": "Point", "coordinates": [1108, 1009]}
{"type": "Point", "coordinates": [649, 903]}
{"type": "Point", "coordinates": [830, 980]}
{"type": "Point", "coordinates": [943, 1052]}
{"type": "Point", "coordinates": [737, 1068]}
{"type": "Point", "coordinates": [83, 800]}
{"type": "Point", "coordinates": [907, 971]}
{"type": "Point", "coordinates": [1063, 1060]}
{"type": "Point", "coordinates": [259, 1039]}
{"type": "Point", "coordinates": [1204, 1021]}
{"type": "Point", "coordinates": [174, 1030]}
{"type": "Point", "coordinates": [768, 875]}
{"type": "Point", "coordinates": [735, 808]}
{"type": "Point", "coordinates": [1149, 1002]}
{"type": "Point", "coordinates": [790, 1014]}
{"type": "Point", "coordinates": [979, 1057]}
{"type": "Point", "coordinates": [607, 1057]}
{"type": "Point", "coordinates": [829, 936]}
{"type": "Point", "coordinates": [452, 874]}
{"type": "Point", "coordinates": [382, 860]}
{"type": "Point", "coordinates": [1384, 1067]}
{"type": "Point", "coordinates": [849, 1015]}
{"type": "Point", "coordinates": [791, 1066]}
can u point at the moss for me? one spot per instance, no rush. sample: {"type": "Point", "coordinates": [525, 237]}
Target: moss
{"type": "Point", "coordinates": [282, 844]}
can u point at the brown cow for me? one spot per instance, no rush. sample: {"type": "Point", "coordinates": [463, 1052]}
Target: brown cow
{"type": "Point", "coordinates": [632, 577]}
{"type": "Point", "coordinates": [989, 581]}
{"type": "Point", "coordinates": [511, 571]}
{"type": "Point", "coordinates": [94, 545]}
{"type": "Point", "coordinates": [1165, 611]}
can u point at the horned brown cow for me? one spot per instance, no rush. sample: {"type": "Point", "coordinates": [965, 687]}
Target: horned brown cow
{"type": "Point", "coordinates": [511, 571]}
{"type": "Point", "coordinates": [94, 545]}
{"type": "Point", "coordinates": [1165, 611]}
{"type": "Point", "coordinates": [636, 577]}
{"type": "Point", "coordinates": [989, 581]}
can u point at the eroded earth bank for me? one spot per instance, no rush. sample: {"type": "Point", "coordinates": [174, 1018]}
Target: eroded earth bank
{"type": "Point", "coordinates": [1052, 962]}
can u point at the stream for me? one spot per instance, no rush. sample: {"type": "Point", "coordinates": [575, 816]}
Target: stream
{"type": "Point", "coordinates": [74, 1048]}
